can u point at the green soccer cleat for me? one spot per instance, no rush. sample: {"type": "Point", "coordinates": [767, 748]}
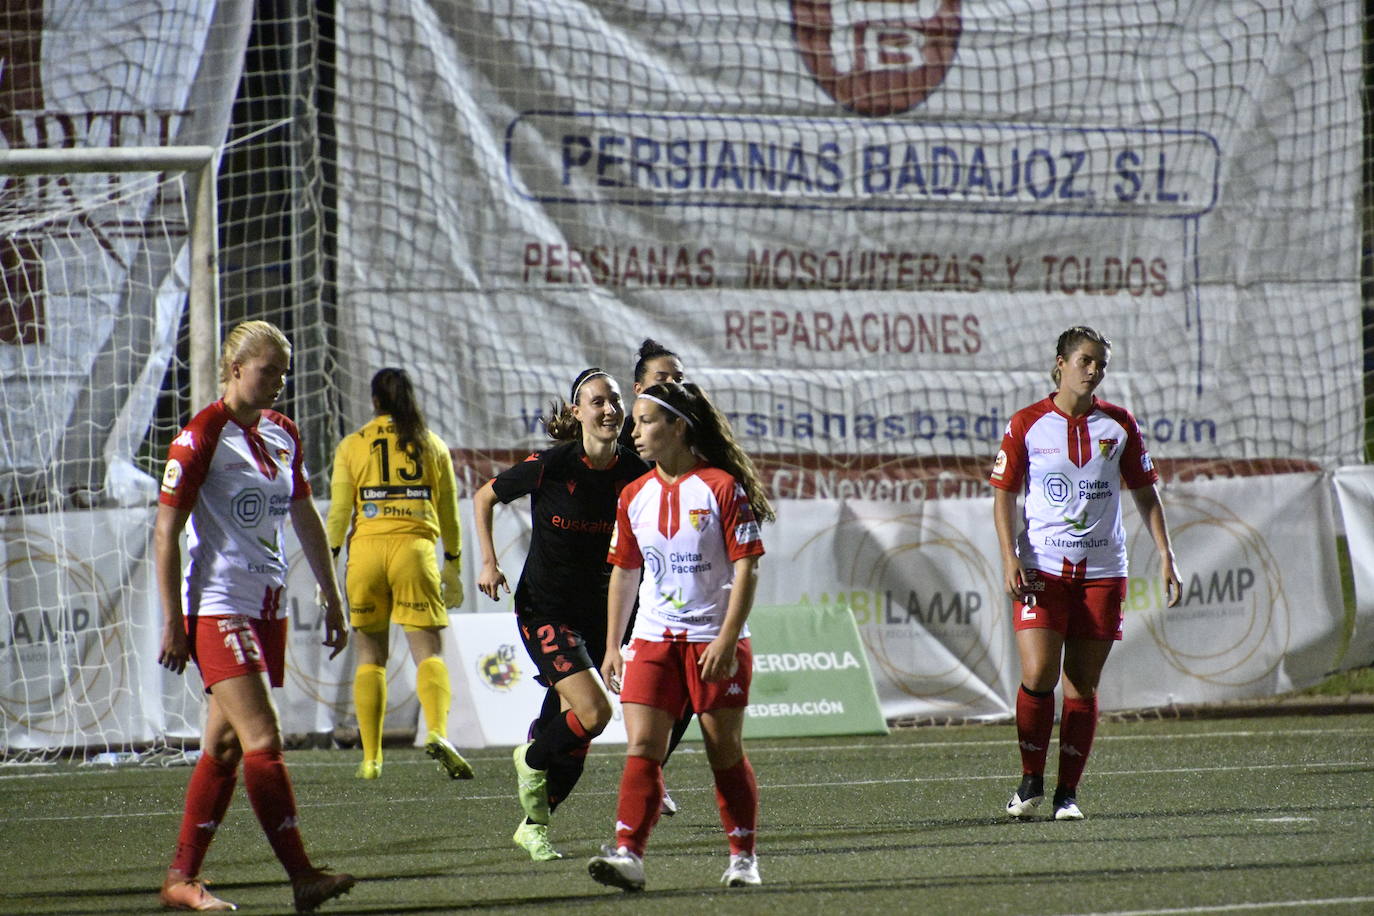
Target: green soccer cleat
{"type": "Point", "coordinates": [450, 761]}
{"type": "Point", "coordinates": [534, 839]}
{"type": "Point", "coordinates": [533, 786]}
{"type": "Point", "coordinates": [369, 769]}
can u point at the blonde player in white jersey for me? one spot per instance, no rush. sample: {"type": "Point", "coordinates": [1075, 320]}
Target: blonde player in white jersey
{"type": "Point", "coordinates": [236, 473]}
{"type": "Point", "coordinates": [1068, 457]}
{"type": "Point", "coordinates": [692, 525]}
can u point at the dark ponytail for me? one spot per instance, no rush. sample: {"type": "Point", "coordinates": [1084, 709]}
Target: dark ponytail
{"type": "Point", "coordinates": [650, 349]}
{"type": "Point", "coordinates": [393, 394]}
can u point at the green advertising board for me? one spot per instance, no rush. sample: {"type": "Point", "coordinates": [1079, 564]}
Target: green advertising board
{"type": "Point", "coordinates": [811, 675]}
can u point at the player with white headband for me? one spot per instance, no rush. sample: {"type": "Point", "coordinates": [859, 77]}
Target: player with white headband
{"type": "Point", "coordinates": [560, 601]}
{"type": "Point", "coordinates": [692, 526]}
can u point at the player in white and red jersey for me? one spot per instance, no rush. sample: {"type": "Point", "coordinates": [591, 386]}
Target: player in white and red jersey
{"type": "Point", "coordinates": [236, 473]}
{"type": "Point", "coordinates": [654, 365]}
{"type": "Point", "coordinates": [692, 525]}
{"type": "Point", "coordinates": [1068, 456]}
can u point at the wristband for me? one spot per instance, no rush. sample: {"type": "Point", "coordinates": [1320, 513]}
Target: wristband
{"type": "Point", "coordinates": [450, 557]}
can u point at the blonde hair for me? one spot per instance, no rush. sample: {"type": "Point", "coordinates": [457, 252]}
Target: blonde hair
{"type": "Point", "coordinates": [246, 340]}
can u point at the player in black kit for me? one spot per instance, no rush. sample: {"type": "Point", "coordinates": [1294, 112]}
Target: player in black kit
{"type": "Point", "coordinates": [560, 601]}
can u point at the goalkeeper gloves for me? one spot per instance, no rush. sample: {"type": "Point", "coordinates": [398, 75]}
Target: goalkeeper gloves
{"type": "Point", "coordinates": [451, 580]}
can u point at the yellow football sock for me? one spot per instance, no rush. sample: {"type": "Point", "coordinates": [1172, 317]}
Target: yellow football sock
{"type": "Point", "coordinates": [432, 687]}
{"type": "Point", "coordinates": [369, 698]}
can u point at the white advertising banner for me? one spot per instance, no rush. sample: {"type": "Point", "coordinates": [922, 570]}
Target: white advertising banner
{"type": "Point", "coordinates": [862, 224]}
{"type": "Point", "coordinates": [1261, 615]}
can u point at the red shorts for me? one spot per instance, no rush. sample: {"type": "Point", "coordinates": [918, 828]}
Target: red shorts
{"type": "Point", "coordinates": [226, 647]}
{"type": "Point", "coordinates": [667, 676]}
{"type": "Point", "coordinates": [1076, 608]}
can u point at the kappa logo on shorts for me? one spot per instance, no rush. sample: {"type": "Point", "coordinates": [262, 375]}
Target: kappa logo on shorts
{"type": "Point", "coordinates": [880, 57]}
{"type": "Point", "coordinates": [734, 690]}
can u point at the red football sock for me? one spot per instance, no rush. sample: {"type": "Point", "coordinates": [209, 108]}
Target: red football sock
{"type": "Point", "coordinates": [641, 793]}
{"type": "Point", "coordinates": [207, 798]}
{"type": "Point", "coordinates": [1077, 726]}
{"type": "Point", "coordinates": [1034, 725]}
{"type": "Point", "coordinates": [737, 796]}
{"type": "Point", "coordinates": [274, 802]}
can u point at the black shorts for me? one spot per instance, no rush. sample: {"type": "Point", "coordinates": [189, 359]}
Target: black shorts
{"type": "Point", "coordinates": [558, 648]}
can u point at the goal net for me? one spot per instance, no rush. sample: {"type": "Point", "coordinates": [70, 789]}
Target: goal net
{"type": "Point", "coordinates": [97, 270]}
{"type": "Point", "coordinates": [861, 224]}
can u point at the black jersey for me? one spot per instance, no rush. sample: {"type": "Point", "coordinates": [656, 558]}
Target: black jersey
{"type": "Point", "coordinates": [572, 505]}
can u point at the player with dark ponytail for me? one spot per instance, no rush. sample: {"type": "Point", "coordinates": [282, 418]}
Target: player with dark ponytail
{"type": "Point", "coordinates": [702, 505]}
{"type": "Point", "coordinates": [393, 493]}
{"type": "Point", "coordinates": [560, 601]}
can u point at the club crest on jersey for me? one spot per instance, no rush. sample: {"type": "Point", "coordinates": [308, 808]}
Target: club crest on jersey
{"type": "Point", "coordinates": [879, 57]}
{"type": "Point", "coordinates": [699, 518]}
{"type": "Point", "coordinates": [1106, 447]}
{"type": "Point", "coordinates": [283, 455]}
{"type": "Point", "coordinates": [171, 476]}
{"type": "Point", "coordinates": [999, 466]}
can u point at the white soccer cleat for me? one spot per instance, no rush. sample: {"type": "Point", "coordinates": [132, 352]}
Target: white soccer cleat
{"type": "Point", "coordinates": [1027, 796]}
{"type": "Point", "coordinates": [666, 806]}
{"type": "Point", "coordinates": [617, 868]}
{"type": "Point", "coordinates": [743, 872]}
{"type": "Point", "coordinates": [1066, 809]}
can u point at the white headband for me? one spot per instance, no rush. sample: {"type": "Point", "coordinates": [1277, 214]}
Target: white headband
{"type": "Point", "coordinates": [585, 380]}
{"type": "Point", "coordinates": [669, 407]}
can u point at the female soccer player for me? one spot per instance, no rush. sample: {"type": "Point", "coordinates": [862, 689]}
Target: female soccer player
{"type": "Point", "coordinates": [654, 365]}
{"type": "Point", "coordinates": [560, 601]}
{"type": "Point", "coordinates": [236, 472]}
{"type": "Point", "coordinates": [692, 525]}
{"type": "Point", "coordinates": [393, 481]}
{"type": "Point", "coordinates": [1068, 456]}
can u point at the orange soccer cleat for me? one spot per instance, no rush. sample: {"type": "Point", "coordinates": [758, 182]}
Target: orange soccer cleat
{"type": "Point", "coordinates": [182, 893]}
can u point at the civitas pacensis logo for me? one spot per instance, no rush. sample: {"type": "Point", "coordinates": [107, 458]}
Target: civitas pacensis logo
{"type": "Point", "coordinates": [878, 57]}
{"type": "Point", "coordinates": [927, 600]}
{"type": "Point", "coordinates": [1232, 626]}
{"type": "Point", "coordinates": [499, 670]}
{"type": "Point", "coordinates": [63, 650]}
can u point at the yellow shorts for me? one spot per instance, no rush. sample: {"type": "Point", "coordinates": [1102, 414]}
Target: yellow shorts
{"type": "Point", "coordinates": [393, 578]}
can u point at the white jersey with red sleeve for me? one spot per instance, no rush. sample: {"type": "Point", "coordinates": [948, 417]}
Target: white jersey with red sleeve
{"type": "Point", "coordinates": [1070, 471]}
{"type": "Point", "coordinates": [239, 483]}
{"type": "Point", "coordinates": [686, 535]}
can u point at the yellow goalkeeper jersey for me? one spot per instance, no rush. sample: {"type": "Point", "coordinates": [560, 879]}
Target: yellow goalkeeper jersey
{"type": "Point", "coordinates": [377, 488]}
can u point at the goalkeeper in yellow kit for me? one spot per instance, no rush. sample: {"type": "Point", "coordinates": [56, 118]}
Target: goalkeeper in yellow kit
{"type": "Point", "coordinates": [392, 494]}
